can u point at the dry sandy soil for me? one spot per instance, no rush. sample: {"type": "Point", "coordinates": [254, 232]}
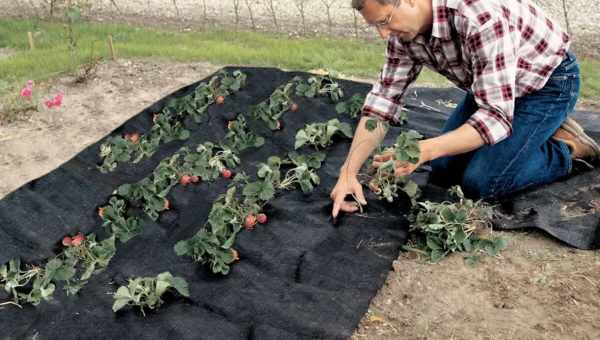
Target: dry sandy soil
{"type": "Point", "coordinates": [537, 289]}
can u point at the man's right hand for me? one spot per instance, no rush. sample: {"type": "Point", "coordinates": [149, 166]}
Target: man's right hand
{"type": "Point", "coordinates": [347, 184]}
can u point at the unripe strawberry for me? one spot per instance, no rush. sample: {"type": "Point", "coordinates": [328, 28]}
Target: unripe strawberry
{"type": "Point", "coordinates": [101, 211]}
{"type": "Point", "coordinates": [294, 107]}
{"type": "Point", "coordinates": [195, 179]}
{"type": "Point", "coordinates": [167, 204]}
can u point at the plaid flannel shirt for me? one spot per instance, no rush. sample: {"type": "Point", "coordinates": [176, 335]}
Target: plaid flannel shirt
{"type": "Point", "coordinates": [498, 49]}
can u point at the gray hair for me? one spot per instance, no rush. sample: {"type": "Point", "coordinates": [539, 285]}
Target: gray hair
{"type": "Point", "coordinates": [359, 4]}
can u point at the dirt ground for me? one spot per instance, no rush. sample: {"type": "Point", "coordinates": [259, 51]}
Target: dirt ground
{"type": "Point", "coordinates": [537, 288]}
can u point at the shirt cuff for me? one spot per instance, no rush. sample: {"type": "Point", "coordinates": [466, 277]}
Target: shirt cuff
{"type": "Point", "coordinates": [382, 107]}
{"type": "Point", "coordinates": [491, 126]}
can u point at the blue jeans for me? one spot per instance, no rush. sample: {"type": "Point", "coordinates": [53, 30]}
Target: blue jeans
{"type": "Point", "coordinates": [529, 156]}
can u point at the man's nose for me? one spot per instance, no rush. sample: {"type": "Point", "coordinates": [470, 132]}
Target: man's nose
{"type": "Point", "coordinates": [384, 32]}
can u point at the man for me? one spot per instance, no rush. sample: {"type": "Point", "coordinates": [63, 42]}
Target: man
{"type": "Point", "coordinates": [511, 131]}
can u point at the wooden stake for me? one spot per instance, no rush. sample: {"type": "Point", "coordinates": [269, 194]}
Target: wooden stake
{"type": "Point", "coordinates": [112, 47]}
{"type": "Point", "coordinates": [31, 44]}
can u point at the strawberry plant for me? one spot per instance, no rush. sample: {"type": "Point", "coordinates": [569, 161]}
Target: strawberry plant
{"type": "Point", "coordinates": [212, 244]}
{"type": "Point", "coordinates": [384, 183]}
{"type": "Point", "coordinates": [352, 106]}
{"type": "Point", "coordinates": [196, 103]}
{"type": "Point", "coordinates": [205, 163]}
{"type": "Point", "coordinates": [91, 256]}
{"type": "Point", "coordinates": [280, 101]}
{"type": "Point", "coordinates": [321, 86]}
{"type": "Point", "coordinates": [33, 284]}
{"type": "Point", "coordinates": [321, 134]}
{"type": "Point", "coordinates": [209, 161]}
{"type": "Point", "coordinates": [146, 292]}
{"type": "Point", "coordinates": [304, 172]}
{"type": "Point", "coordinates": [168, 124]}
{"type": "Point", "coordinates": [240, 138]}
{"type": "Point", "coordinates": [233, 212]}
{"type": "Point", "coordinates": [448, 227]}
{"type": "Point", "coordinates": [117, 222]}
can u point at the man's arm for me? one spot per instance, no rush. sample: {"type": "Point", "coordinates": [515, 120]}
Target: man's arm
{"type": "Point", "coordinates": [461, 140]}
{"type": "Point", "coordinates": [363, 144]}
{"type": "Point", "coordinates": [493, 56]}
{"type": "Point", "coordinates": [384, 103]}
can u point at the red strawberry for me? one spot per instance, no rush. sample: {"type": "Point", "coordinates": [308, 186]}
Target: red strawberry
{"type": "Point", "coordinates": [294, 107]}
{"type": "Point", "coordinates": [78, 239]}
{"type": "Point", "coordinates": [195, 179]}
{"type": "Point", "coordinates": [67, 241]}
{"type": "Point", "coordinates": [101, 212]}
{"type": "Point", "coordinates": [261, 218]}
{"type": "Point", "coordinates": [167, 205]}
{"type": "Point", "coordinates": [226, 173]}
{"type": "Point", "coordinates": [235, 254]}
{"type": "Point", "coordinates": [250, 222]}
{"type": "Point", "coordinates": [185, 180]}
{"type": "Point", "coordinates": [220, 100]}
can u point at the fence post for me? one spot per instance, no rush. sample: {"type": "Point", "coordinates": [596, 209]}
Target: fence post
{"type": "Point", "coordinates": [31, 43]}
{"type": "Point", "coordinates": [111, 47]}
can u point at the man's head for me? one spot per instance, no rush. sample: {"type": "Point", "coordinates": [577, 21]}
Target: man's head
{"type": "Point", "coordinates": [403, 18]}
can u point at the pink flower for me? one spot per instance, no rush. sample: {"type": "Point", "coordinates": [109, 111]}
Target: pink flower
{"type": "Point", "coordinates": [27, 91]}
{"type": "Point", "coordinates": [54, 102]}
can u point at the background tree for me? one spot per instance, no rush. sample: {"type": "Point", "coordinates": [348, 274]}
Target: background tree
{"type": "Point", "coordinates": [251, 13]}
{"type": "Point", "coordinates": [328, 4]}
{"type": "Point", "coordinates": [271, 8]}
{"type": "Point", "coordinates": [300, 5]}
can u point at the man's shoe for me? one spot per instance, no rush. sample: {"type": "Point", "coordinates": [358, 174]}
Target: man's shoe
{"type": "Point", "coordinates": [582, 146]}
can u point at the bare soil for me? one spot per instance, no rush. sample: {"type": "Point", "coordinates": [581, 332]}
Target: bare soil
{"type": "Point", "coordinates": [537, 288]}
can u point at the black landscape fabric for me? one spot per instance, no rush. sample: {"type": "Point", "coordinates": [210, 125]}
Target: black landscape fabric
{"type": "Point", "coordinates": [300, 276]}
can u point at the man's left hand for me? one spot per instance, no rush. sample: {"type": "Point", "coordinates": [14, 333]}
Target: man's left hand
{"type": "Point", "coordinates": [400, 168]}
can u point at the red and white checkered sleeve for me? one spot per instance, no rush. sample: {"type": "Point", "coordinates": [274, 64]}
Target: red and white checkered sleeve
{"type": "Point", "coordinates": [385, 98]}
{"type": "Point", "coordinates": [493, 56]}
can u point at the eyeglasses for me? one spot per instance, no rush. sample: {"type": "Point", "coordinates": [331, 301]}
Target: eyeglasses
{"type": "Point", "coordinates": [386, 21]}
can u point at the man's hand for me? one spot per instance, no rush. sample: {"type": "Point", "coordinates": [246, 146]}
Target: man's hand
{"type": "Point", "coordinates": [347, 184]}
{"type": "Point", "coordinates": [400, 168]}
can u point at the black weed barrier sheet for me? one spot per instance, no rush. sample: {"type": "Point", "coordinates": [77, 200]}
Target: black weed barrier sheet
{"type": "Point", "coordinates": [300, 276]}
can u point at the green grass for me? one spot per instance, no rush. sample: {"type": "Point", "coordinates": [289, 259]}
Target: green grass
{"type": "Point", "coordinates": [348, 56]}
{"type": "Point", "coordinates": [590, 80]}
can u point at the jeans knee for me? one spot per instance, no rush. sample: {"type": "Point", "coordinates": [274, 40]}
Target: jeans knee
{"type": "Point", "coordinates": [477, 185]}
